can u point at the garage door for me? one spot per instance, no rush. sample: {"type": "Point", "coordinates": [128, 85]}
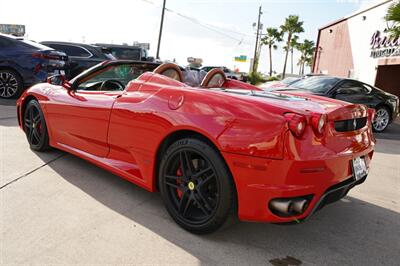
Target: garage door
{"type": "Point", "coordinates": [388, 79]}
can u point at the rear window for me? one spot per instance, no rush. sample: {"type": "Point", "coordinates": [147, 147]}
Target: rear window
{"type": "Point", "coordinates": [316, 84]}
{"type": "Point", "coordinates": [126, 53]}
{"type": "Point", "coordinates": [36, 45]}
{"type": "Point", "coordinates": [71, 50]}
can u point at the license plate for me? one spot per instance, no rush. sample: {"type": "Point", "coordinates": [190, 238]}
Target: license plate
{"type": "Point", "coordinates": [359, 168]}
{"type": "Point", "coordinates": [62, 72]}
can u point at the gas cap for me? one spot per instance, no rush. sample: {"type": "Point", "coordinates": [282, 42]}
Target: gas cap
{"type": "Point", "coordinates": [175, 102]}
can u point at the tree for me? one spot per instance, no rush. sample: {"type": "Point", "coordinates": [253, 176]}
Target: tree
{"type": "Point", "coordinates": [306, 49]}
{"type": "Point", "coordinates": [291, 26]}
{"type": "Point", "coordinates": [293, 45]}
{"type": "Point", "coordinates": [272, 37]}
{"type": "Point", "coordinates": [393, 16]}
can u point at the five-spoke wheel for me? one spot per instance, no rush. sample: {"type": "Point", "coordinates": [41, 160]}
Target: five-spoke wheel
{"type": "Point", "coordinates": [35, 127]}
{"type": "Point", "coordinates": [196, 186]}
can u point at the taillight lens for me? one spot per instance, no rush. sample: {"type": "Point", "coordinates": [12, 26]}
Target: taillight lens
{"type": "Point", "coordinates": [318, 122]}
{"type": "Point", "coordinates": [297, 124]}
{"type": "Point", "coordinates": [45, 56]}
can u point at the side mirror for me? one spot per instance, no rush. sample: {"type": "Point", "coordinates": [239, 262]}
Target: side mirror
{"type": "Point", "coordinates": [59, 80]}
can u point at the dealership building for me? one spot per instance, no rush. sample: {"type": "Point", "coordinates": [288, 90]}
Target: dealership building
{"type": "Point", "coordinates": [359, 47]}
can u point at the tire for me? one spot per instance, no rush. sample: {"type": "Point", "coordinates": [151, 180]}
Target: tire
{"type": "Point", "coordinates": [202, 198]}
{"type": "Point", "coordinates": [35, 127]}
{"type": "Point", "coordinates": [11, 84]}
{"type": "Point", "coordinates": [382, 119]}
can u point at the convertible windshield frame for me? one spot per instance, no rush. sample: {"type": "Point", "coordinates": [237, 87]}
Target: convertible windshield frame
{"type": "Point", "coordinates": [102, 67]}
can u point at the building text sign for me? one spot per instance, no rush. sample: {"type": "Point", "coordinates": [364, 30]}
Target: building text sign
{"type": "Point", "coordinates": [384, 46]}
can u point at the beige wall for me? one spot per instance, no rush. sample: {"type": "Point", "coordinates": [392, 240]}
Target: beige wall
{"type": "Point", "coordinates": [334, 56]}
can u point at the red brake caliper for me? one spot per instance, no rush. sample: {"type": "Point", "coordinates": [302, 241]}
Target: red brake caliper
{"type": "Point", "coordinates": [178, 181]}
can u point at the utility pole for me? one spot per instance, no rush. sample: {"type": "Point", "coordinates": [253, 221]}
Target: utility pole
{"type": "Point", "coordinates": [161, 28]}
{"type": "Point", "coordinates": [257, 35]}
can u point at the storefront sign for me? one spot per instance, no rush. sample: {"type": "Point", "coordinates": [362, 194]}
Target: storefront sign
{"type": "Point", "coordinates": [241, 58]}
{"type": "Point", "coordinates": [13, 29]}
{"type": "Point", "coordinates": [384, 46]}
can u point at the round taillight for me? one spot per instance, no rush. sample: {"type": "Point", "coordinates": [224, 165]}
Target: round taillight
{"type": "Point", "coordinates": [318, 123]}
{"type": "Point", "coordinates": [296, 124]}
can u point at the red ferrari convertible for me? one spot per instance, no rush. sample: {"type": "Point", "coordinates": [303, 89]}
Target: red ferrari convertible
{"type": "Point", "coordinates": [215, 149]}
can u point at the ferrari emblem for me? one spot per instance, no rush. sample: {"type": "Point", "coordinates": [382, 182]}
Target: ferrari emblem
{"type": "Point", "coordinates": [191, 185]}
{"type": "Point", "coordinates": [354, 123]}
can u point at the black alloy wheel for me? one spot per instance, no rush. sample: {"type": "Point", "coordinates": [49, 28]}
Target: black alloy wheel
{"type": "Point", "coordinates": [35, 127]}
{"type": "Point", "coordinates": [10, 84]}
{"type": "Point", "coordinates": [196, 186]}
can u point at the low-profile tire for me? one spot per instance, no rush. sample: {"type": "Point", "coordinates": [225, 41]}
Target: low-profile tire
{"type": "Point", "coordinates": [11, 84]}
{"type": "Point", "coordinates": [196, 186]}
{"type": "Point", "coordinates": [35, 127]}
{"type": "Point", "coordinates": [382, 119]}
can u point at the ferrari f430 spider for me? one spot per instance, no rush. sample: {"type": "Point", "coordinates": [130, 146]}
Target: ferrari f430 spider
{"type": "Point", "coordinates": [216, 149]}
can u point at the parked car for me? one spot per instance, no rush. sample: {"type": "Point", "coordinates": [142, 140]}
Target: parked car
{"type": "Point", "coordinates": [126, 52]}
{"type": "Point", "coordinates": [385, 104]}
{"type": "Point", "coordinates": [271, 85]}
{"type": "Point", "coordinates": [228, 73]}
{"type": "Point", "coordinates": [24, 63]}
{"type": "Point", "coordinates": [220, 149]}
{"type": "Point", "coordinates": [81, 56]}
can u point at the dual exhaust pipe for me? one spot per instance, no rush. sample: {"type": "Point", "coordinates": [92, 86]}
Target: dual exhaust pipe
{"type": "Point", "coordinates": [287, 207]}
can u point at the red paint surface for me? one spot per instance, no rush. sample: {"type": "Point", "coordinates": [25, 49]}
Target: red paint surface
{"type": "Point", "coordinates": [122, 132]}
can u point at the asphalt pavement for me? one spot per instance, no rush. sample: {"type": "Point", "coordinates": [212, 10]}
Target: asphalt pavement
{"type": "Point", "coordinates": [58, 209]}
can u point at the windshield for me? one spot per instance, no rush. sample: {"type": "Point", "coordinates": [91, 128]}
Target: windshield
{"type": "Point", "coordinates": [315, 84]}
{"type": "Point", "coordinates": [121, 73]}
{"type": "Point", "coordinates": [289, 81]}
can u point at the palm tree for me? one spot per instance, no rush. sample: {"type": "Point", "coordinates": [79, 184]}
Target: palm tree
{"type": "Point", "coordinates": [272, 37]}
{"type": "Point", "coordinates": [393, 16]}
{"type": "Point", "coordinates": [291, 26]}
{"type": "Point", "coordinates": [293, 45]}
{"type": "Point", "coordinates": [307, 49]}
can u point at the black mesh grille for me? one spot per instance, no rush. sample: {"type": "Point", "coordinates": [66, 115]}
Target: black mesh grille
{"type": "Point", "coordinates": [350, 125]}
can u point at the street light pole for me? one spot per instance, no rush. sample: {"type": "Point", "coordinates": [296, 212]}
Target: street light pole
{"type": "Point", "coordinates": [257, 35]}
{"type": "Point", "coordinates": [161, 28]}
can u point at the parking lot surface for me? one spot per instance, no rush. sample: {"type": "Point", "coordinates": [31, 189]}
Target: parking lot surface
{"type": "Point", "coordinates": [57, 208]}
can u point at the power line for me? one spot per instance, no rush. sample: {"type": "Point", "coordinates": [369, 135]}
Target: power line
{"type": "Point", "coordinates": [207, 26]}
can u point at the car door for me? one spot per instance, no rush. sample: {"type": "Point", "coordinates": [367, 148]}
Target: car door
{"type": "Point", "coordinates": [79, 118]}
{"type": "Point", "coordinates": [354, 92]}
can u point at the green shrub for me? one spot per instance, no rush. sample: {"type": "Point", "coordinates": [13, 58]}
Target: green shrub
{"type": "Point", "coordinates": [256, 78]}
{"type": "Point", "coordinates": [273, 78]}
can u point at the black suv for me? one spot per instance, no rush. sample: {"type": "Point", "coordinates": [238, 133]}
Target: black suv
{"type": "Point", "coordinates": [126, 52]}
{"type": "Point", "coordinates": [81, 56]}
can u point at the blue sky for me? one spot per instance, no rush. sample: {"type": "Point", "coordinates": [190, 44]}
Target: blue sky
{"type": "Point", "coordinates": [126, 21]}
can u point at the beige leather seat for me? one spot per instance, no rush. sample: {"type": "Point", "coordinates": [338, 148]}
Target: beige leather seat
{"type": "Point", "coordinates": [215, 78]}
{"type": "Point", "coordinates": [170, 70]}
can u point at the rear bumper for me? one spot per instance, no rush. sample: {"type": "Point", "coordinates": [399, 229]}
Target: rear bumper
{"type": "Point", "coordinates": [260, 180]}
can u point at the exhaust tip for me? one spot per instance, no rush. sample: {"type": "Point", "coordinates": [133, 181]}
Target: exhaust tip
{"type": "Point", "coordinates": [299, 206]}
{"type": "Point", "coordinates": [284, 206]}
{"type": "Point", "coordinates": [289, 206]}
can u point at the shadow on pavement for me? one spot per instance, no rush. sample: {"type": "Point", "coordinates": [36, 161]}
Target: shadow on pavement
{"type": "Point", "coordinates": [392, 132]}
{"type": "Point", "coordinates": [348, 232]}
{"type": "Point", "coordinates": [8, 102]}
{"type": "Point", "coordinates": [9, 121]}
